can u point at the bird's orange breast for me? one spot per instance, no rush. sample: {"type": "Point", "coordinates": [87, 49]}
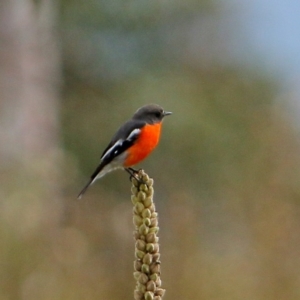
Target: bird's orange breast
{"type": "Point", "coordinates": [145, 144]}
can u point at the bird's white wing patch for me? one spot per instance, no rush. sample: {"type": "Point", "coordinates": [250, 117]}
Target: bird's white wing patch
{"type": "Point", "coordinates": [121, 145]}
{"type": "Point", "coordinates": [133, 134]}
{"type": "Point", "coordinates": [112, 149]}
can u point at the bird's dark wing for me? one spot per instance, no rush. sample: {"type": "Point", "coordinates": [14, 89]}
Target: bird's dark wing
{"type": "Point", "coordinates": [122, 140]}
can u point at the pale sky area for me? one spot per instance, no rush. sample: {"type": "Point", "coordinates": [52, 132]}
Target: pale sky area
{"type": "Point", "coordinates": [273, 28]}
{"type": "Point", "coordinates": [270, 35]}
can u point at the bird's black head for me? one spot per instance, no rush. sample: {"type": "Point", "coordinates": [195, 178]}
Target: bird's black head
{"type": "Point", "coordinates": [151, 113]}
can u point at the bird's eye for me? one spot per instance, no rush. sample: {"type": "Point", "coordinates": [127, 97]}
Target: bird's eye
{"type": "Point", "coordinates": [158, 114]}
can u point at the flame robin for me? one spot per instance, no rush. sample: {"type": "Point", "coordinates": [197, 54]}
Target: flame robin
{"type": "Point", "coordinates": [132, 143]}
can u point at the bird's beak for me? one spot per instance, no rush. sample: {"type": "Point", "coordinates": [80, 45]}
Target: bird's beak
{"type": "Point", "coordinates": [167, 113]}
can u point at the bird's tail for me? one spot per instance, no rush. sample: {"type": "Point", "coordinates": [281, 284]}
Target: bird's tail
{"type": "Point", "coordinates": [97, 174]}
{"type": "Point", "coordinates": [84, 189]}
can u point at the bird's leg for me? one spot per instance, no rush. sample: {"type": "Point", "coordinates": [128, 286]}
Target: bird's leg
{"type": "Point", "coordinates": [133, 173]}
{"type": "Point", "coordinates": [134, 170]}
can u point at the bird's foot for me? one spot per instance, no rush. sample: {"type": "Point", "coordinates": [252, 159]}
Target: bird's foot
{"type": "Point", "coordinates": [132, 172]}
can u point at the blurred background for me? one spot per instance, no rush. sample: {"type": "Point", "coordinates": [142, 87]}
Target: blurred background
{"type": "Point", "coordinates": [226, 172]}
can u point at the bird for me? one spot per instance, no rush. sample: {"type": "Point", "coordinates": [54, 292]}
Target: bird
{"type": "Point", "coordinates": [132, 143]}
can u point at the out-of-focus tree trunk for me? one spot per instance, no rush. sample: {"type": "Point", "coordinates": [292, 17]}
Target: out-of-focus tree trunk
{"type": "Point", "coordinates": [29, 94]}
{"type": "Point", "coordinates": [29, 144]}
{"type": "Point", "coordinates": [28, 78]}
{"type": "Point", "coordinates": [29, 82]}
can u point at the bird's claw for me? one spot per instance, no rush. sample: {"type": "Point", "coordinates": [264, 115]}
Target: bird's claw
{"type": "Point", "coordinates": [132, 172]}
